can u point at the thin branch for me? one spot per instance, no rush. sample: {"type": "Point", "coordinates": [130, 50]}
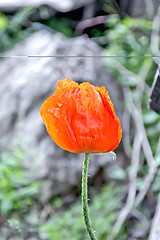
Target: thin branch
{"type": "Point", "coordinates": [146, 184]}
{"type": "Point", "coordinates": [158, 149]}
{"type": "Point", "coordinates": [140, 139]}
{"type": "Point", "coordinates": [138, 233]}
{"type": "Point", "coordinates": [87, 23]}
{"type": "Point", "coordinates": [132, 185]}
{"type": "Point", "coordinates": [155, 36]}
{"type": "Point", "coordinates": [126, 129]}
{"type": "Point", "coordinates": [148, 154]}
{"type": "Point", "coordinates": [155, 228]}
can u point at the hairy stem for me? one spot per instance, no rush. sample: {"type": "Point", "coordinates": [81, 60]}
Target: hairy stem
{"type": "Point", "coordinates": [85, 197]}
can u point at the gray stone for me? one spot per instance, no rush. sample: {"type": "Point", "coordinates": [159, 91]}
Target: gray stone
{"type": "Point", "coordinates": [26, 82]}
{"type": "Point", "coordinates": [135, 8]}
{"type": "Point", "coordinates": [140, 8]}
{"type": "Point", "coordinates": [59, 5]}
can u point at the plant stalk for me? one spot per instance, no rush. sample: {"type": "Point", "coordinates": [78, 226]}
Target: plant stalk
{"type": "Point", "coordinates": [85, 197]}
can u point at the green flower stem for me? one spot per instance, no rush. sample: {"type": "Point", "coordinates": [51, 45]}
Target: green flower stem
{"type": "Point", "coordinates": [85, 197]}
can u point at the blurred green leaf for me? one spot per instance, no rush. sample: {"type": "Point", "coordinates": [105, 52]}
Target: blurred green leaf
{"type": "Point", "coordinates": [14, 29]}
{"type": "Point", "coordinates": [69, 224]}
{"type": "Point", "coordinates": [3, 22]}
{"type": "Point", "coordinates": [62, 25]}
{"type": "Point", "coordinates": [150, 117]}
{"type": "Point", "coordinates": [117, 173]}
{"type": "Point", "coordinates": [16, 188]}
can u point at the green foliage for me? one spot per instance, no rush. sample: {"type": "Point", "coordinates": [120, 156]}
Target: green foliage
{"type": "Point", "coordinates": [117, 174]}
{"type": "Point", "coordinates": [17, 28]}
{"type": "Point", "coordinates": [126, 38]}
{"type": "Point", "coordinates": [17, 190]}
{"type": "Point", "coordinates": [13, 30]}
{"type": "Point", "coordinates": [18, 203]}
{"type": "Point", "coordinates": [97, 33]}
{"type": "Point", "coordinates": [110, 6]}
{"type": "Point", "coordinates": [3, 22]}
{"type": "Point", "coordinates": [18, 193]}
{"type": "Point", "coordinates": [131, 37]}
{"type": "Point", "coordinates": [69, 224]}
{"type": "Point", "coordinates": [62, 25]}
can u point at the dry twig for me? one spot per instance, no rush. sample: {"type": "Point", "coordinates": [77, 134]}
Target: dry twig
{"type": "Point", "coordinates": [155, 36]}
{"type": "Point", "coordinates": [132, 185]}
{"type": "Point", "coordinates": [139, 140]}
{"type": "Point", "coordinates": [155, 229]}
{"type": "Point", "coordinates": [149, 157]}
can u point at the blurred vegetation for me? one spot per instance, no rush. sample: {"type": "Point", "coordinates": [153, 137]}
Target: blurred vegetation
{"type": "Point", "coordinates": [20, 206]}
{"type": "Point", "coordinates": [69, 224]}
{"type": "Point", "coordinates": [16, 188]}
{"type": "Point", "coordinates": [13, 28]}
{"type": "Point", "coordinates": [131, 37]}
{"type": "Point", "coordinates": [19, 194]}
{"type": "Point", "coordinates": [62, 25]}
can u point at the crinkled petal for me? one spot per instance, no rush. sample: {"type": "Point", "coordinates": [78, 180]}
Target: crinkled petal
{"type": "Point", "coordinates": [81, 118]}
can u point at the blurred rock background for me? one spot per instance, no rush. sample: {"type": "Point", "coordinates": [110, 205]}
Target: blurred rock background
{"type": "Point", "coordinates": [35, 80]}
{"type": "Point", "coordinates": [39, 181]}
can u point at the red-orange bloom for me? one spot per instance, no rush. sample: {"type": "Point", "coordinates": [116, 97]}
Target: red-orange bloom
{"type": "Point", "coordinates": [81, 118]}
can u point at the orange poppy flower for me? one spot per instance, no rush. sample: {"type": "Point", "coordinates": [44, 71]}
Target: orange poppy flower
{"type": "Point", "coordinates": [81, 118]}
